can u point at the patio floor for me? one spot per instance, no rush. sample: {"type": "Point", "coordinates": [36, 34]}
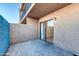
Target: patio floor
{"type": "Point", "coordinates": [36, 48]}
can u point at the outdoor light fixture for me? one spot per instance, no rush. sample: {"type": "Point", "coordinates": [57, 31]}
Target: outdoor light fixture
{"type": "Point", "coordinates": [54, 19]}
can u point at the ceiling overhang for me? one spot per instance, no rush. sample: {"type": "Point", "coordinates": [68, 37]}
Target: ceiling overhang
{"type": "Point", "coordinates": [41, 9]}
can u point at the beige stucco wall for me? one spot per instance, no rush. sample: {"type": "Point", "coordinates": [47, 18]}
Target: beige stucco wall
{"type": "Point", "coordinates": [23, 32]}
{"type": "Point", "coordinates": [66, 27]}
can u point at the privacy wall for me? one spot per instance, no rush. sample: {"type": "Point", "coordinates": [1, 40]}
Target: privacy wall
{"type": "Point", "coordinates": [4, 35]}
{"type": "Point", "coordinates": [24, 32]}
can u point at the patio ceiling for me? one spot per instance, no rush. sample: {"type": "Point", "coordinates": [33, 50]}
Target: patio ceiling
{"type": "Point", "coordinates": [42, 9]}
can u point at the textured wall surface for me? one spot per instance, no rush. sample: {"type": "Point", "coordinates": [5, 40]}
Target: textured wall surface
{"type": "Point", "coordinates": [66, 27]}
{"type": "Point", "coordinates": [4, 35]}
{"type": "Point", "coordinates": [24, 32]}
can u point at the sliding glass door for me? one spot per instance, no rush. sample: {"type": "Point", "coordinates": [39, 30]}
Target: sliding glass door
{"type": "Point", "coordinates": [47, 30]}
{"type": "Point", "coordinates": [42, 30]}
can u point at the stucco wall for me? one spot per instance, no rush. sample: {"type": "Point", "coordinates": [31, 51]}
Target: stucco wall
{"type": "Point", "coordinates": [24, 32]}
{"type": "Point", "coordinates": [66, 27]}
{"type": "Point", "coordinates": [4, 35]}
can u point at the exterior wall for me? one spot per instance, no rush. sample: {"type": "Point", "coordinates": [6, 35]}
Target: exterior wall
{"type": "Point", "coordinates": [66, 27]}
{"type": "Point", "coordinates": [4, 35]}
{"type": "Point", "coordinates": [24, 32]}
